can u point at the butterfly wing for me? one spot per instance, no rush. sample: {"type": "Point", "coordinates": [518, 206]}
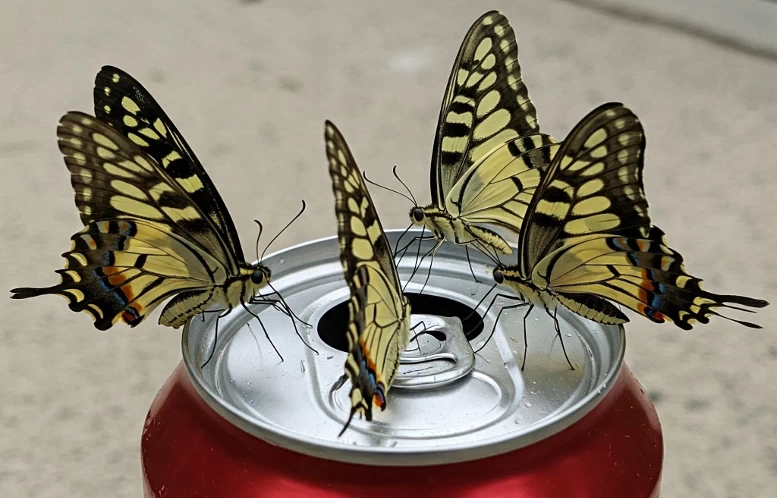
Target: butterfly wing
{"type": "Point", "coordinates": [122, 102]}
{"type": "Point", "coordinates": [121, 269]}
{"type": "Point", "coordinates": [593, 185]}
{"type": "Point", "coordinates": [112, 178]}
{"type": "Point", "coordinates": [486, 103]}
{"type": "Point", "coordinates": [379, 324]}
{"type": "Point", "coordinates": [641, 273]}
{"type": "Point", "coordinates": [499, 187]}
{"type": "Point", "coordinates": [144, 240]}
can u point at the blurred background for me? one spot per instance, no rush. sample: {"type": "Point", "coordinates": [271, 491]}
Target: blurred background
{"type": "Point", "coordinates": [249, 84]}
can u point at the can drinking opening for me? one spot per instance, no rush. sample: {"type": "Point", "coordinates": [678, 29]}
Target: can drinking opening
{"type": "Point", "coordinates": [332, 324]}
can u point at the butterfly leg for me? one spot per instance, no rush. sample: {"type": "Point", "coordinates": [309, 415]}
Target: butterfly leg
{"type": "Point", "coordinates": [498, 315]}
{"type": "Point", "coordinates": [406, 247]}
{"type": "Point", "coordinates": [419, 263]}
{"type": "Point", "coordinates": [202, 313]}
{"type": "Point", "coordinates": [266, 334]}
{"type": "Point", "coordinates": [558, 334]}
{"type": "Point", "coordinates": [293, 322]}
{"type": "Point", "coordinates": [415, 337]}
{"type": "Point", "coordinates": [215, 336]}
{"type": "Point", "coordinates": [466, 250]}
{"type": "Point", "coordinates": [525, 338]}
{"type": "Point", "coordinates": [429, 273]}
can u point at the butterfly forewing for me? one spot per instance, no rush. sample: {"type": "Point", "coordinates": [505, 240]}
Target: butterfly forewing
{"type": "Point", "coordinates": [486, 103]}
{"type": "Point", "coordinates": [593, 185]}
{"type": "Point", "coordinates": [113, 178]}
{"type": "Point", "coordinates": [379, 322]}
{"type": "Point", "coordinates": [125, 104]}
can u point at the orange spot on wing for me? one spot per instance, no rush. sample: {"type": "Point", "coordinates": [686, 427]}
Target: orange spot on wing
{"type": "Point", "coordinates": [91, 243]}
{"type": "Point", "coordinates": [641, 308]}
{"type": "Point", "coordinates": [130, 317]}
{"type": "Point", "coordinates": [103, 226]}
{"type": "Point", "coordinates": [115, 277]}
{"type": "Point", "coordinates": [659, 316]}
{"type": "Point", "coordinates": [642, 245]}
{"type": "Point", "coordinates": [378, 401]}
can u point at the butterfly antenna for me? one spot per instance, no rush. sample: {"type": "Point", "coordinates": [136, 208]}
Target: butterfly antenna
{"type": "Point", "coordinates": [258, 237]}
{"type": "Point", "coordinates": [284, 228]}
{"type": "Point", "coordinates": [404, 185]}
{"type": "Point", "coordinates": [364, 174]}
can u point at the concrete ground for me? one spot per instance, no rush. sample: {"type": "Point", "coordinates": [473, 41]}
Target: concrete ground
{"type": "Point", "coordinates": [250, 84]}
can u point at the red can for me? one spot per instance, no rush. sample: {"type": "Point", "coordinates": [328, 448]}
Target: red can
{"type": "Point", "coordinates": [457, 424]}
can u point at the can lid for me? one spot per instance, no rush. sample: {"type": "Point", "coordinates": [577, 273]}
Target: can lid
{"type": "Point", "coordinates": [446, 405]}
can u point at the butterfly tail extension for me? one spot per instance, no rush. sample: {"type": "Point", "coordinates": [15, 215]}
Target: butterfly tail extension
{"type": "Point", "coordinates": [115, 271]}
{"type": "Point", "coordinates": [670, 291]}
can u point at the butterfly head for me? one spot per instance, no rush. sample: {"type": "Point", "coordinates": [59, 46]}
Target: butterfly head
{"type": "Point", "coordinates": [260, 275]}
{"type": "Point", "coordinates": [417, 215]}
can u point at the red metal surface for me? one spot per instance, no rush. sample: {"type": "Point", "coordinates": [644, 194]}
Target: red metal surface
{"type": "Point", "coordinates": [188, 450]}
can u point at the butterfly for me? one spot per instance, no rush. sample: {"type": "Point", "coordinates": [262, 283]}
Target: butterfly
{"type": "Point", "coordinates": [587, 239]}
{"type": "Point", "coordinates": [154, 225]}
{"type": "Point", "coordinates": [487, 138]}
{"type": "Point", "coordinates": [379, 325]}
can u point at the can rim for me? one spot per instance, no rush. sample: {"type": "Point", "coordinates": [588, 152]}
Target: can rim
{"type": "Point", "coordinates": [356, 454]}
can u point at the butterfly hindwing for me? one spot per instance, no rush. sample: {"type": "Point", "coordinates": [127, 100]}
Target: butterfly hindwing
{"type": "Point", "coordinates": [486, 103]}
{"type": "Point", "coordinates": [593, 185]}
{"type": "Point", "coordinates": [125, 104]}
{"type": "Point", "coordinates": [122, 269]}
{"type": "Point", "coordinates": [379, 313]}
{"type": "Point", "coordinates": [643, 274]}
{"type": "Point", "coordinates": [498, 188]}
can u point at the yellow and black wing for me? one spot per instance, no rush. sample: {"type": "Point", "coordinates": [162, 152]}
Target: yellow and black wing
{"type": "Point", "coordinates": [486, 103]}
{"type": "Point", "coordinates": [122, 102]}
{"type": "Point", "coordinates": [642, 273]}
{"type": "Point", "coordinates": [145, 239]}
{"type": "Point", "coordinates": [499, 187]}
{"type": "Point", "coordinates": [593, 185]}
{"type": "Point", "coordinates": [379, 313]}
{"type": "Point", "coordinates": [588, 237]}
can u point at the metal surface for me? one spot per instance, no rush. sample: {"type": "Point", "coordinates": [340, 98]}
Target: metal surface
{"type": "Point", "coordinates": [494, 409]}
{"type": "Point", "coordinates": [428, 363]}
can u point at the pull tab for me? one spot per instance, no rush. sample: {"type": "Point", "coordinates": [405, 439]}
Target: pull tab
{"type": "Point", "coordinates": [437, 357]}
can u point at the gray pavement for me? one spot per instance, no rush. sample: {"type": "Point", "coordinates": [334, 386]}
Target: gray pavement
{"type": "Point", "coordinates": [250, 83]}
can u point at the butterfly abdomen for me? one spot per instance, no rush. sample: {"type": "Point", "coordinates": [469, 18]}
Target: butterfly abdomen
{"type": "Point", "coordinates": [186, 305]}
{"type": "Point", "coordinates": [454, 229]}
{"type": "Point", "coordinates": [592, 307]}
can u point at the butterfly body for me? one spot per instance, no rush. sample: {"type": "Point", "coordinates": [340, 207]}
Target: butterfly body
{"type": "Point", "coordinates": [586, 238]}
{"type": "Point", "coordinates": [155, 227]}
{"type": "Point", "coordinates": [445, 226]}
